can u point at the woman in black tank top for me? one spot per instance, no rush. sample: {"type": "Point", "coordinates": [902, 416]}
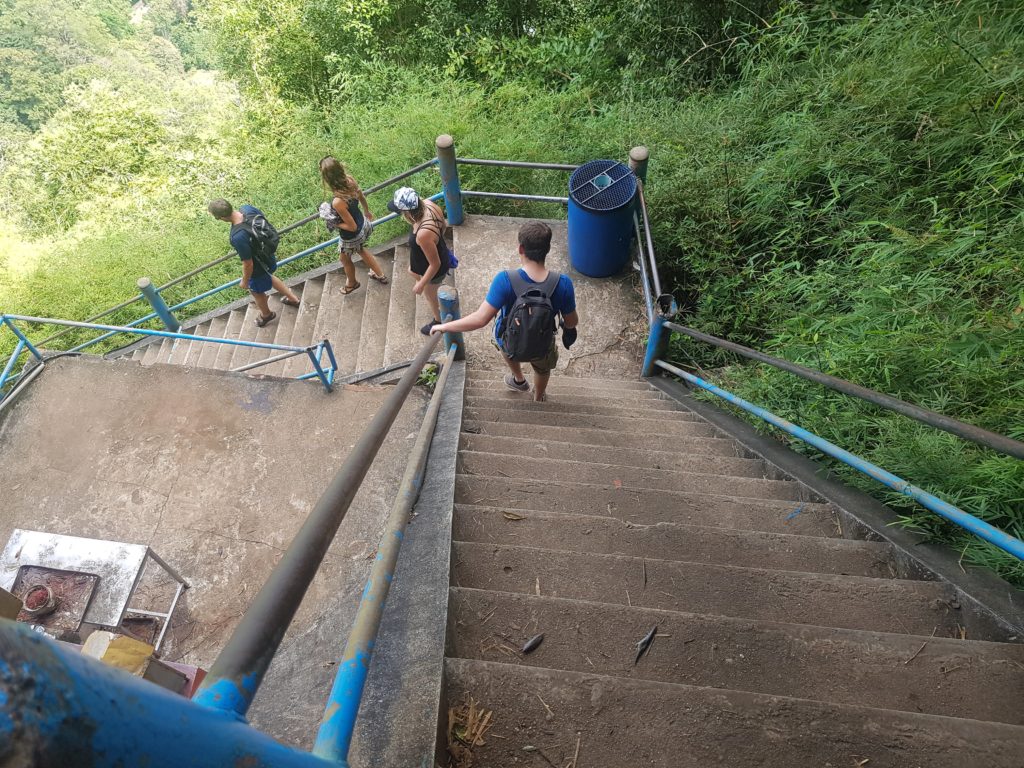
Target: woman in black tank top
{"type": "Point", "coordinates": [355, 228]}
{"type": "Point", "coordinates": [429, 258]}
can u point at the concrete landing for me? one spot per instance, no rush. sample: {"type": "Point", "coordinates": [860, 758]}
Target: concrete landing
{"type": "Point", "coordinates": [612, 327]}
{"type": "Point", "coordinates": [216, 472]}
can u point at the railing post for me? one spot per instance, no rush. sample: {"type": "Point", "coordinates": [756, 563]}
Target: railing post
{"type": "Point", "coordinates": [638, 157]}
{"type": "Point", "coordinates": [657, 345]}
{"type": "Point", "coordinates": [159, 305]}
{"type": "Point", "coordinates": [449, 178]}
{"type": "Point", "coordinates": [23, 338]}
{"type": "Point", "coordinates": [448, 297]}
{"type": "Point", "coordinates": [314, 356]}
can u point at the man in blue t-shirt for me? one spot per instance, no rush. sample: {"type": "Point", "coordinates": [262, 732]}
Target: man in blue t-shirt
{"type": "Point", "coordinates": [534, 244]}
{"type": "Point", "coordinates": [257, 273]}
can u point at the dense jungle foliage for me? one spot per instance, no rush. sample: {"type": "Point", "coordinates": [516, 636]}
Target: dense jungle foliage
{"type": "Point", "coordinates": [839, 183]}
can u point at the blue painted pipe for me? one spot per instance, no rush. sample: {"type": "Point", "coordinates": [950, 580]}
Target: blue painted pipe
{"type": "Point", "coordinates": [656, 343]}
{"type": "Point", "coordinates": [156, 301]}
{"type": "Point", "coordinates": [150, 332]}
{"type": "Point", "coordinates": [11, 361]}
{"type": "Point", "coordinates": [9, 321]}
{"type": "Point", "coordinates": [105, 336]}
{"type": "Point", "coordinates": [64, 709]}
{"type": "Point", "coordinates": [445, 145]}
{"type": "Point", "coordinates": [968, 522]}
{"type": "Point", "coordinates": [448, 298]}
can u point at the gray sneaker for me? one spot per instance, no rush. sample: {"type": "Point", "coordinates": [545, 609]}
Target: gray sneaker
{"type": "Point", "coordinates": [516, 386]}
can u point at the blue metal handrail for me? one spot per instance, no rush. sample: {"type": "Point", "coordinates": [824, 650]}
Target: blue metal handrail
{"type": "Point", "coordinates": [967, 521]}
{"type": "Point", "coordinates": [657, 345]}
{"type": "Point", "coordinates": [315, 352]}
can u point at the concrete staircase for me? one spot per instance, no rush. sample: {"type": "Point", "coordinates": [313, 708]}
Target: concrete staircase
{"type": "Point", "coordinates": [372, 327]}
{"type": "Point", "coordinates": [612, 510]}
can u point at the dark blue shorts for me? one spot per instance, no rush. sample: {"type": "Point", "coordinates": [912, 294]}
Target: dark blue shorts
{"type": "Point", "coordinates": [260, 283]}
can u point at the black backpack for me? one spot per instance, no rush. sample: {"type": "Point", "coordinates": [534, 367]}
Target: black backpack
{"type": "Point", "coordinates": [528, 331]}
{"type": "Point", "coordinates": [265, 240]}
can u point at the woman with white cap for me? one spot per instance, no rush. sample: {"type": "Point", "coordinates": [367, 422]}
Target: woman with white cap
{"type": "Point", "coordinates": [429, 257]}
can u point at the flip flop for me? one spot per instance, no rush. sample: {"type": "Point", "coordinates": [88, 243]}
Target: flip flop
{"type": "Point", "coordinates": [289, 302]}
{"type": "Point", "coordinates": [382, 279]}
{"type": "Point", "coordinates": [346, 290]}
{"type": "Point", "coordinates": [263, 320]}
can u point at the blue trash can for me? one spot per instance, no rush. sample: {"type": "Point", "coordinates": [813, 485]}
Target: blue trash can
{"type": "Point", "coordinates": [601, 196]}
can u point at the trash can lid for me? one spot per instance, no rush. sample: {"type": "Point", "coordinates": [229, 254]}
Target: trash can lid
{"type": "Point", "coordinates": [602, 185]}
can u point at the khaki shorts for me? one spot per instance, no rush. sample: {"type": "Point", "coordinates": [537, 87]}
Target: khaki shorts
{"type": "Point", "coordinates": [542, 365]}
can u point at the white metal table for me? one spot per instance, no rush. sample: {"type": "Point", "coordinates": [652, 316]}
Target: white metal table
{"type": "Point", "coordinates": [119, 568]}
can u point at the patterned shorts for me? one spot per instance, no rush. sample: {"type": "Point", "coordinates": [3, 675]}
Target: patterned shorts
{"type": "Point", "coordinates": [354, 244]}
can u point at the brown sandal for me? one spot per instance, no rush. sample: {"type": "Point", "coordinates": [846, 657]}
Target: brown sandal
{"type": "Point", "coordinates": [264, 320]}
{"type": "Point", "coordinates": [382, 279]}
{"type": "Point", "coordinates": [289, 302]}
{"type": "Point", "coordinates": [346, 290]}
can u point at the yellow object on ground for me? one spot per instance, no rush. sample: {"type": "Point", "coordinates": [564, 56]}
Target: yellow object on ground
{"type": "Point", "coordinates": [118, 651]}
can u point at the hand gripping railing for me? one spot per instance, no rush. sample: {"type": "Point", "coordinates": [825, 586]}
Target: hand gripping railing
{"type": "Point", "coordinates": [315, 352]}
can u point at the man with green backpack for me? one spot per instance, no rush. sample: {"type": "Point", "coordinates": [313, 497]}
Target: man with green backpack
{"type": "Point", "coordinates": [528, 303]}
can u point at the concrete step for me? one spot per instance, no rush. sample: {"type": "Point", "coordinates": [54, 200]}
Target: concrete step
{"type": "Point", "coordinates": [486, 378]}
{"type": "Point", "coordinates": [646, 409]}
{"type": "Point", "coordinates": [283, 331]}
{"type": "Point", "coordinates": [303, 319]}
{"type": "Point", "coordinates": [669, 541]}
{"type": "Point", "coordinates": [580, 398]}
{"type": "Point", "coordinates": [934, 675]}
{"type": "Point", "coordinates": [344, 329]}
{"type": "Point", "coordinates": [242, 355]}
{"type": "Point", "coordinates": [373, 332]}
{"type": "Point", "coordinates": [541, 416]}
{"type": "Point", "coordinates": [190, 354]}
{"type": "Point", "coordinates": [209, 350]}
{"type": "Point", "coordinates": [305, 327]}
{"type": "Point", "coordinates": [706, 446]}
{"type": "Point", "coordinates": [153, 350]}
{"type": "Point", "coordinates": [598, 721]}
{"type": "Point", "coordinates": [852, 602]}
{"type": "Point", "coordinates": [648, 507]}
{"type": "Point", "coordinates": [403, 337]}
{"type": "Point", "coordinates": [689, 461]}
{"type": "Point", "coordinates": [226, 351]}
{"type": "Point", "coordinates": [284, 327]}
{"type": "Point", "coordinates": [565, 386]}
{"type": "Point", "coordinates": [544, 469]}
{"type": "Point", "coordinates": [265, 335]}
{"type": "Point", "coordinates": [175, 351]}
{"type": "Point", "coordinates": [166, 345]}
